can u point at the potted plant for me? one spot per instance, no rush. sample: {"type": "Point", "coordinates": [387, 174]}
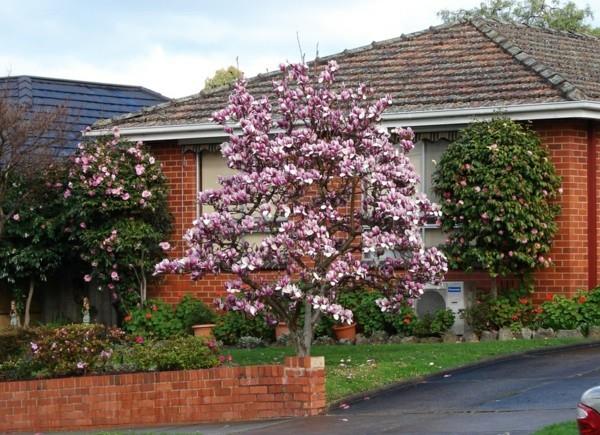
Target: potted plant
{"type": "Point", "coordinates": [343, 331]}
{"type": "Point", "coordinates": [203, 330]}
{"type": "Point", "coordinates": [281, 329]}
{"type": "Point", "coordinates": [194, 314]}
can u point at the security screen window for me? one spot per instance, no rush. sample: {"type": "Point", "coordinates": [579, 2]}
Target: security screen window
{"type": "Point", "coordinates": [424, 156]}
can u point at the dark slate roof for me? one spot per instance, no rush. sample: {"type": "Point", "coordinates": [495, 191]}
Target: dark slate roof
{"type": "Point", "coordinates": [478, 63]}
{"type": "Point", "coordinates": [86, 101]}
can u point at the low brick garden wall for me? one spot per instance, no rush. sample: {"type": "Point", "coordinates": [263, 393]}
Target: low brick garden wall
{"type": "Point", "coordinates": [296, 388]}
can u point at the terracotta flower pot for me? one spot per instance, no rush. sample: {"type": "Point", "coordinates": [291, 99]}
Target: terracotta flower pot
{"type": "Point", "coordinates": [346, 332]}
{"type": "Point", "coordinates": [281, 329]}
{"type": "Point", "coordinates": [205, 330]}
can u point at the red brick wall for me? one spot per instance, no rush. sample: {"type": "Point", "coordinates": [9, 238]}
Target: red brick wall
{"type": "Point", "coordinates": [567, 141]}
{"type": "Point", "coordinates": [296, 388]}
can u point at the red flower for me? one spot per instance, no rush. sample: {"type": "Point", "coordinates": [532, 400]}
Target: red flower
{"type": "Point", "coordinates": [523, 301]}
{"type": "Point", "coordinates": [549, 296]}
{"type": "Point", "coordinates": [582, 299]}
{"type": "Point", "coordinates": [139, 339]}
{"type": "Point", "coordinates": [154, 307]}
{"type": "Point", "coordinates": [128, 318]}
{"type": "Point", "coordinates": [148, 316]}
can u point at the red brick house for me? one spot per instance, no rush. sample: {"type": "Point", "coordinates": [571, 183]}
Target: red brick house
{"type": "Point", "coordinates": [440, 79]}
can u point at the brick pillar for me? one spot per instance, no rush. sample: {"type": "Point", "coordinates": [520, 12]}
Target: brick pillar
{"type": "Point", "coordinates": [304, 384]}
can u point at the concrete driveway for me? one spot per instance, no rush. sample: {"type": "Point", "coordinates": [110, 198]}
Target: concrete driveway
{"type": "Point", "coordinates": [511, 396]}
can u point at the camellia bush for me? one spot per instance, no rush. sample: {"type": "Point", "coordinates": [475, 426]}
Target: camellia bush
{"type": "Point", "coordinates": [332, 195]}
{"type": "Point", "coordinates": [116, 198]}
{"type": "Point", "coordinates": [33, 245]}
{"type": "Point", "coordinates": [498, 189]}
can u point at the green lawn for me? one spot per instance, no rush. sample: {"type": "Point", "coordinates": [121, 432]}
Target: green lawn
{"type": "Point", "coordinates": [355, 369]}
{"type": "Point", "coordinates": [566, 428]}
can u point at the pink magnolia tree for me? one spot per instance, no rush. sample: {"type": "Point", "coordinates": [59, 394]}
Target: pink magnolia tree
{"type": "Point", "coordinates": [330, 192]}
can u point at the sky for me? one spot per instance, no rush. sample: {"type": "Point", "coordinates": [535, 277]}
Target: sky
{"type": "Point", "coordinates": [172, 46]}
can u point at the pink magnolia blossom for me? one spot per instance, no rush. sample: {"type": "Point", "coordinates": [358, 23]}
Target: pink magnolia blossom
{"type": "Point", "coordinates": [87, 278]}
{"type": "Point", "coordinates": [140, 169]}
{"type": "Point", "coordinates": [304, 159]}
{"type": "Point", "coordinates": [146, 194]}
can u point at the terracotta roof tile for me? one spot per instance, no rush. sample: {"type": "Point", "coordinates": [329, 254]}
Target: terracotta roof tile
{"type": "Point", "coordinates": [480, 63]}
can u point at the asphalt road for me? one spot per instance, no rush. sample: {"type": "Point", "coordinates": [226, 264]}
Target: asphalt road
{"type": "Point", "coordinates": [515, 396]}
{"type": "Point", "coordinates": [511, 396]}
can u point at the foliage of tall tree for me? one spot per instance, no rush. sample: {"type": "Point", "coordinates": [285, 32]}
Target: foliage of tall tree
{"type": "Point", "coordinates": [29, 140]}
{"type": "Point", "coordinates": [223, 77]}
{"type": "Point", "coordinates": [117, 208]}
{"type": "Point", "coordinates": [553, 14]}
{"type": "Point", "coordinates": [34, 242]}
{"type": "Point", "coordinates": [323, 182]}
{"type": "Point", "coordinates": [498, 189]}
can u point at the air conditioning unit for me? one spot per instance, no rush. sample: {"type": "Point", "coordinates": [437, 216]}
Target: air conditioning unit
{"type": "Point", "coordinates": [450, 295]}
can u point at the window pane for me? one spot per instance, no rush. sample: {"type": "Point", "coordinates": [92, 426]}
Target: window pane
{"type": "Point", "coordinates": [416, 158]}
{"type": "Point", "coordinates": [434, 237]}
{"type": "Point", "coordinates": [433, 154]}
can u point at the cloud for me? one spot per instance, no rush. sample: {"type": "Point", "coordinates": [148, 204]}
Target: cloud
{"type": "Point", "coordinates": [173, 49]}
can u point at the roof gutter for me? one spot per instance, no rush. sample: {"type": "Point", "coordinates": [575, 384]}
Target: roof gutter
{"type": "Point", "coordinates": [418, 120]}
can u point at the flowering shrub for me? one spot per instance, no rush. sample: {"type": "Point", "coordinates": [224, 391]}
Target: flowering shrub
{"type": "Point", "coordinates": [33, 245]}
{"type": "Point", "coordinates": [513, 309]}
{"type": "Point", "coordinates": [159, 320]}
{"type": "Point", "coordinates": [74, 349]}
{"type": "Point", "coordinates": [561, 313]}
{"type": "Point", "coordinates": [433, 325]}
{"type": "Point", "coordinates": [234, 325]}
{"type": "Point", "coordinates": [15, 342]}
{"type": "Point", "coordinates": [498, 188]}
{"type": "Point", "coordinates": [117, 201]}
{"type": "Point", "coordinates": [85, 349]}
{"type": "Point", "coordinates": [318, 175]}
{"type": "Point", "coordinates": [181, 353]}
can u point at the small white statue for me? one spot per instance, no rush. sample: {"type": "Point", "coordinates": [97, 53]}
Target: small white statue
{"type": "Point", "coordinates": [15, 320]}
{"type": "Point", "coordinates": [85, 311]}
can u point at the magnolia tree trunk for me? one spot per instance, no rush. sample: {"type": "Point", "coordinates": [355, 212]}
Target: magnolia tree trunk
{"type": "Point", "coordinates": [27, 319]}
{"type": "Point", "coordinates": [301, 335]}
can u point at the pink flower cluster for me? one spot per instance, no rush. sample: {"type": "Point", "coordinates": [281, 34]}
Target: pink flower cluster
{"type": "Point", "coordinates": [329, 190]}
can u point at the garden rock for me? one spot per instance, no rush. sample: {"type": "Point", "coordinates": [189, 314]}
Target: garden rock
{"type": "Point", "coordinates": [430, 340]}
{"type": "Point", "coordinates": [379, 337]}
{"type": "Point", "coordinates": [544, 333]}
{"type": "Point", "coordinates": [470, 337]}
{"type": "Point", "coordinates": [249, 342]}
{"type": "Point", "coordinates": [449, 337]}
{"type": "Point", "coordinates": [324, 340]}
{"type": "Point", "coordinates": [526, 333]}
{"type": "Point", "coordinates": [409, 339]}
{"type": "Point", "coordinates": [395, 339]}
{"type": "Point", "coordinates": [505, 334]}
{"type": "Point", "coordinates": [569, 333]}
{"type": "Point", "coordinates": [345, 341]}
{"type": "Point", "coordinates": [594, 332]}
{"type": "Point", "coordinates": [362, 339]}
{"type": "Point", "coordinates": [489, 336]}
{"type": "Point", "coordinates": [282, 340]}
